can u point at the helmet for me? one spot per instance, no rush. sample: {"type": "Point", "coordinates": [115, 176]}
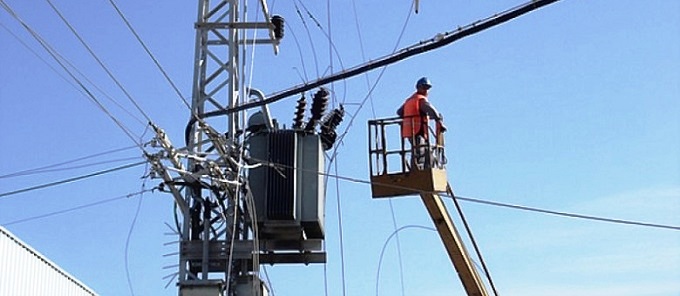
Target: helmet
{"type": "Point", "coordinates": [423, 81]}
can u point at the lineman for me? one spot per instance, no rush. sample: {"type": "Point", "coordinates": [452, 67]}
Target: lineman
{"type": "Point", "coordinates": [416, 112]}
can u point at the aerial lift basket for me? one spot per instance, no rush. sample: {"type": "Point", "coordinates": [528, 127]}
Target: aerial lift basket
{"type": "Point", "coordinates": [405, 166]}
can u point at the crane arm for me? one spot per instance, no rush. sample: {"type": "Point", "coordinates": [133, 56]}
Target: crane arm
{"type": "Point", "coordinates": [454, 245]}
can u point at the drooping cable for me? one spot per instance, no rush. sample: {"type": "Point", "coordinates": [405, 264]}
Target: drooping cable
{"type": "Point", "coordinates": [340, 231]}
{"type": "Point", "coordinates": [401, 262]}
{"type": "Point", "coordinates": [311, 43]}
{"type": "Point", "coordinates": [303, 77]}
{"type": "Point", "coordinates": [69, 180]}
{"type": "Point", "coordinates": [369, 96]}
{"type": "Point", "coordinates": [80, 207]}
{"type": "Point", "coordinates": [99, 61]}
{"type": "Point", "coordinates": [382, 252]}
{"type": "Point", "coordinates": [129, 234]}
{"type": "Point", "coordinates": [332, 49]}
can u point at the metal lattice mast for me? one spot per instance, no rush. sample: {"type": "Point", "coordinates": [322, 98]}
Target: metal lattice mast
{"type": "Point", "coordinates": [213, 213]}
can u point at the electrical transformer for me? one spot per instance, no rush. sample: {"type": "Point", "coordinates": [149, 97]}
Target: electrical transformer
{"type": "Point", "coordinates": [289, 196]}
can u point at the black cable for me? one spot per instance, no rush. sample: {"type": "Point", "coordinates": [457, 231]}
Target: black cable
{"type": "Point", "coordinates": [6, 194]}
{"type": "Point", "coordinates": [422, 47]}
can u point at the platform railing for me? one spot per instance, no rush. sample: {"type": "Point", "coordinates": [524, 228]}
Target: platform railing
{"type": "Point", "coordinates": [390, 153]}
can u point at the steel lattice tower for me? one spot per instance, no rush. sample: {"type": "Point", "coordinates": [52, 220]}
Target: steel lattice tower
{"type": "Point", "coordinates": [213, 211]}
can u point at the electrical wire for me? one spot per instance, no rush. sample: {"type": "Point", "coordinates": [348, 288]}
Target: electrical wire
{"type": "Point", "coordinates": [77, 71]}
{"type": "Point", "coordinates": [491, 203]}
{"type": "Point", "coordinates": [309, 36]}
{"type": "Point", "coordinates": [47, 167]}
{"type": "Point", "coordinates": [382, 252]}
{"type": "Point", "coordinates": [424, 46]}
{"type": "Point", "coordinates": [331, 48]}
{"type": "Point", "coordinates": [99, 61]}
{"type": "Point", "coordinates": [80, 207]}
{"type": "Point", "coordinates": [369, 96]}
{"type": "Point", "coordinates": [69, 180]}
{"type": "Point", "coordinates": [342, 249]}
{"type": "Point", "coordinates": [132, 227]}
{"type": "Point", "coordinates": [472, 239]}
{"type": "Point", "coordinates": [42, 171]}
{"type": "Point", "coordinates": [53, 53]}
{"type": "Point", "coordinates": [148, 51]}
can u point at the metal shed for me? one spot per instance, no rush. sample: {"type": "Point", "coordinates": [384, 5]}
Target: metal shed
{"type": "Point", "coordinates": [24, 271]}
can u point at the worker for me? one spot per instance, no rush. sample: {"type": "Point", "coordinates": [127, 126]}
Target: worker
{"type": "Point", "coordinates": [415, 113]}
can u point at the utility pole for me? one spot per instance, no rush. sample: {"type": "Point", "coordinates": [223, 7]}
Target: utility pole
{"type": "Point", "coordinates": [216, 218]}
{"type": "Point", "coordinates": [218, 251]}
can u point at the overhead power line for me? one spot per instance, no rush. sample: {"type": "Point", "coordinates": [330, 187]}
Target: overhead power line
{"type": "Point", "coordinates": [69, 180]}
{"type": "Point", "coordinates": [80, 207]}
{"type": "Point", "coordinates": [55, 55]}
{"type": "Point", "coordinates": [493, 203]}
{"type": "Point", "coordinates": [148, 51]}
{"type": "Point", "coordinates": [99, 61]}
{"type": "Point", "coordinates": [438, 41]}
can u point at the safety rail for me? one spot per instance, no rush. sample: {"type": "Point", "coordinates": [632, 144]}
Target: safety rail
{"type": "Point", "coordinates": [405, 165]}
{"type": "Point", "coordinates": [428, 153]}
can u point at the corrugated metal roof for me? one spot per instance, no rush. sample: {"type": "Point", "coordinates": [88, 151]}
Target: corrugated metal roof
{"type": "Point", "coordinates": [24, 271]}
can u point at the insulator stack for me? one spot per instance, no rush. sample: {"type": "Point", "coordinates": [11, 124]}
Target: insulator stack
{"type": "Point", "coordinates": [328, 126]}
{"type": "Point", "coordinates": [318, 108]}
{"type": "Point", "coordinates": [278, 23]}
{"type": "Point", "coordinates": [299, 112]}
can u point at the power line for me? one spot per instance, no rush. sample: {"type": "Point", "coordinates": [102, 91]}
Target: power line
{"type": "Point", "coordinates": [382, 252]}
{"type": "Point", "coordinates": [148, 51]}
{"type": "Point", "coordinates": [108, 200]}
{"type": "Point", "coordinates": [472, 238]}
{"type": "Point", "coordinates": [53, 53]}
{"type": "Point", "coordinates": [565, 214]}
{"type": "Point", "coordinates": [43, 168]}
{"type": "Point", "coordinates": [491, 203]}
{"type": "Point", "coordinates": [99, 61]}
{"type": "Point", "coordinates": [129, 235]}
{"type": "Point", "coordinates": [438, 41]}
{"type": "Point", "coordinates": [51, 170]}
{"type": "Point", "coordinates": [69, 180]}
{"type": "Point", "coordinates": [77, 71]}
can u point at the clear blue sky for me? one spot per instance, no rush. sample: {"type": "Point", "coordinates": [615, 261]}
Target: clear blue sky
{"type": "Point", "coordinates": [573, 108]}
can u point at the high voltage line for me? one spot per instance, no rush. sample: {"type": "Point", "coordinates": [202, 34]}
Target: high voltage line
{"type": "Point", "coordinates": [362, 181]}
{"type": "Point", "coordinates": [69, 180]}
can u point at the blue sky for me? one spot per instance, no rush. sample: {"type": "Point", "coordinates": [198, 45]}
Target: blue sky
{"type": "Point", "coordinates": [572, 108]}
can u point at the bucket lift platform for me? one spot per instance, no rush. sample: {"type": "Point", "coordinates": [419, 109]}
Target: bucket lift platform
{"type": "Point", "coordinates": [406, 166]}
{"type": "Point", "coordinates": [400, 168]}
